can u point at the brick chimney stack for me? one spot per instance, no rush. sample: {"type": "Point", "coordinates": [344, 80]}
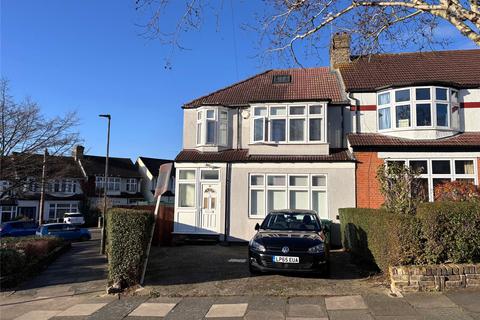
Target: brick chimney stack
{"type": "Point", "coordinates": [78, 152]}
{"type": "Point", "coordinates": [339, 49]}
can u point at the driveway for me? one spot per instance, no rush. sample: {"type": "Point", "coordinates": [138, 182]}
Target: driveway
{"type": "Point", "coordinates": [216, 270]}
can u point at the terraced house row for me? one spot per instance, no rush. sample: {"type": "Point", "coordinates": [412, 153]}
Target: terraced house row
{"type": "Point", "coordinates": [76, 184]}
{"type": "Point", "coordinates": [313, 138]}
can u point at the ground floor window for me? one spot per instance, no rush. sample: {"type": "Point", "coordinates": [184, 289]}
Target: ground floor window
{"type": "Point", "coordinates": [434, 172]}
{"type": "Point", "coordinates": [7, 213]}
{"type": "Point", "coordinates": [269, 192]}
{"type": "Point", "coordinates": [57, 210]}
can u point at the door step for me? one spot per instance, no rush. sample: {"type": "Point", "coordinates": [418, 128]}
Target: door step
{"type": "Point", "coordinates": [196, 239]}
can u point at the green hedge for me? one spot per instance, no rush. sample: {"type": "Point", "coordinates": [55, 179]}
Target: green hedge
{"type": "Point", "coordinates": [440, 232]}
{"type": "Point", "coordinates": [451, 231]}
{"type": "Point", "coordinates": [128, 233]}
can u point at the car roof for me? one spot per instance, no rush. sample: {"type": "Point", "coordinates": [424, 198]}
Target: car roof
{"type": "Point", "coordinates": [69, 213]}
{"type": "Point", "coordinates": [299, 211]}
{"type": "Point", "coordinates": [53, 224]}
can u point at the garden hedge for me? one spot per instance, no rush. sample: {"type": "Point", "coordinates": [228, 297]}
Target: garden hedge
{"type": "Point", "coordinates": [128, 233]}
{"type": "Point", "coordinates": [439, 232]}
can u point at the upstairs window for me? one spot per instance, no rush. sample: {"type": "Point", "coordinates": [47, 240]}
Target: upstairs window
{"type": "Point", "coordinates": [288, 124]}
{"type": "Point", "coordinates": [212, 126]}
{"type": "Point", "coordinates": [418, 107]}
{"type": "Point", "coordinates": [131, 185]}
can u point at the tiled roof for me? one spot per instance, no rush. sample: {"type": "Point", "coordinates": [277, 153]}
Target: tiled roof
{"type": "Point", "coordinates": [117, 167]}
{"type": "Point", "coordinates": [242, 155]}
{"type": "Point", "coordinates": [306, 85]}
{"type": "Point", "coordinates": [460, 68]}
{"type": "Point", "coordinates": [153, 164]}
{"type": "Point", "coordinates": [31, 164]}
{"type": "Point", "coordinates": [469, 140]}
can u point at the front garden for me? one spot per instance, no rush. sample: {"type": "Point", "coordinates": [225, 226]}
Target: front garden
{"type": "Point", "coordinates": [422, 246]}
{"type": "Point", "coordinates": [24, 257]}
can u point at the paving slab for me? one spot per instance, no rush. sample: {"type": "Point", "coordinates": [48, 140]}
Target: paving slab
{"type": "Point", "coordinates": [305, 311]}
{"type": "Point", "coordinates": [82, 309]}
{"type": "Point", "coordinates": [429, 300]}
{"type": "Point", "coordinates": [444, 314]}
{"type": "Point", "coordinates": [264, 315]}
{"type": "Point", "coordinates": [38, 315]}
{"type": "Point", "coordinates": [153, 309]}
{"type": "Point", "coordinates": [383, 305]}
{"type": "Point", "coordinates": [267, 304]}
{"type": "Point", "coordinates": [230, 310]}
{"type": "Point", "coordinates": [349, 315]}
{"type": "Point", "coordinates": [417, 317]}
{"type": "Point", "coordinates": [302, 318]}
{"type": "Point", "coordinates": [118, 309]}
{"type": "Point", "coordinates": [345, 303]}
{"type": "Point", "coordinates": [467, 299]}
{"type": "Point", "coordinates": [191, 309]}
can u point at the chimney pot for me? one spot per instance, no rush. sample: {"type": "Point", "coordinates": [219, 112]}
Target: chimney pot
{"type": "Point", "coordinates": [78, 152]}
{"type": "Point", "coordinates": [339, 49]}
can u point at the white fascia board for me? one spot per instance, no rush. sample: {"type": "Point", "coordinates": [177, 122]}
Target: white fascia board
{"type": "Point", "coordinates": [212, 165]}
{"type": "Point", "coordinates": [443, 154]}
{"type": "Point", "coordinates": [295, 165]}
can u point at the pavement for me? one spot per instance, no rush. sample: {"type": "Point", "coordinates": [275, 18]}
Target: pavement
{"type": "Point", "coordinates": [73, 288]}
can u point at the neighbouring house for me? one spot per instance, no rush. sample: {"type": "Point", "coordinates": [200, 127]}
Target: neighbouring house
{"type": "Point", "coordinates": [123, 183]}
{"type": "Point", "coordinates": [313, 138]}
{"type": "Point", "coordinates": [63, 188]}
{"type": "Point", "coordinates": [149, 170]}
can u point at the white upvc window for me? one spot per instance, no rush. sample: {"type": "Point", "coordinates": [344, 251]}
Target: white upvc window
{"type": "Point", "coordinates": [186, 188]}
{"type": "Point", "coordinates": [7, 213]}
{"type": "Point", "coordinates": [292, 123]}
{"type": "Point", "coordinates": [63, 186]}
{"type": "Point", "coordinates": [56, 211]}
{"type": "Point", "coordinates": [269, 192]}
{"type": "Point", "coordinates": [212, 126]}
{"type": "Point", "coordinates": [418, 107]}
{"type": "Point", "coordinates": [132, 185]}
{"type": "Point", "coordinates": [435, 171]}
{"type": "Point", "coordinates": [113, 184]}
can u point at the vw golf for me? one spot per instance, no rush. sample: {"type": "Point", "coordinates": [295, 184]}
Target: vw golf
{"type": "Point", "coordinates": [289, 240]}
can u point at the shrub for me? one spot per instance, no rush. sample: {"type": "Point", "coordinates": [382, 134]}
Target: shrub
{"type": "Point", "coordinates": [11, 261]}
{"type": "Point", "coordinates": [451, 231]}
{"type": "Point", "coordinates": [128, 233]}
{"type": "Point", "coordinates": [457, 191]}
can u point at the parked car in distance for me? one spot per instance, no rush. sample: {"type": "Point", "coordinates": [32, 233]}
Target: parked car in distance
{"type": "Point", "coordinates": [18, 228]}
{"type": "Point", "coordinates": [65, 231]}
{"type": "Point", "coordinates": [75, 218]}
{"type": "Point", "coordinates": [289, 240]}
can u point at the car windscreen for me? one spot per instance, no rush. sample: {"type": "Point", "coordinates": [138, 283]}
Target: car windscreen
{"type": "Point", "coordinates": [291, 222]}
{"type": "Point", "coordinates": [73, 215]}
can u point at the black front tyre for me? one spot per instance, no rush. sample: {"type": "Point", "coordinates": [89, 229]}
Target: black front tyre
{"type": "Point", "coordinates": [252, 269]}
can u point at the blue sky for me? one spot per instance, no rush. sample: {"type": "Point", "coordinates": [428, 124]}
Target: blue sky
{"type": "Point", "coordinates": [89, 56]}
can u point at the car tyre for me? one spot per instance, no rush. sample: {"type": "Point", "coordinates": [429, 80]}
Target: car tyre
{"type": "Point", "coordinates": [253, 270]}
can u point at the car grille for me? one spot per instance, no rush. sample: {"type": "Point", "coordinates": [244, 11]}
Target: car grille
{"type": "Point", "coordinates": [291, 249]}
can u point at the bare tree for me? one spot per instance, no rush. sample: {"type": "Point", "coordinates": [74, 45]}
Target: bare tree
{"type": "Point", "coordinates": [24, 135]}
{"type": "Point", "coordinates": [374, 24]}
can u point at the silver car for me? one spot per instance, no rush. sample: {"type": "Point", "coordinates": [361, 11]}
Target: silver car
{"type": "Point", "coordinates": [73, 218]}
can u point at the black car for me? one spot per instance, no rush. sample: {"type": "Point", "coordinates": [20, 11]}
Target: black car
{"type": "Point", "coordinates": [289, 240]}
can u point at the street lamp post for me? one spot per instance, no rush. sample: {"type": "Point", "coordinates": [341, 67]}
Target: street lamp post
{"type": "Point", "coordinates": [105, 183]}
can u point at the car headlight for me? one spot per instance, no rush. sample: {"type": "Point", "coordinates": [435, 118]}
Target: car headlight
{"type": "Point", "coordinates": [257, 246]}
{"type": "Point", "coordinates": [317, 249]}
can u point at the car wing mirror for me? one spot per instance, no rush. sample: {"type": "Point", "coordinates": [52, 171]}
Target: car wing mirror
{"type": "Point", "coordinates": [257, 227]}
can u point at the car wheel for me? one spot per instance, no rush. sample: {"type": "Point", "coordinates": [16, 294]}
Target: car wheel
{"type": "Point", "coordinates": [253, 270]}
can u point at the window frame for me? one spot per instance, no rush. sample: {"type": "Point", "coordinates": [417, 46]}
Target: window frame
{"type": "Point", "coordinates": [287, 117]}
{"type": "Point", "coordinates": [193, 181]}
{"type": "Point", "coordinates": [131, 182]}
{"type": "Point", "coordinates": [452, 106]}
{"type": "Point", "coordinates": [286, 188]}
{"type": "Point", "coordinates": [202, 121]}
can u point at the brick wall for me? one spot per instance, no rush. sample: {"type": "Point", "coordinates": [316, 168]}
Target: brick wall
{"type": "Point", "coordinates": [434, 277]}
{"type": "Point", "coordinates": [367, 187]}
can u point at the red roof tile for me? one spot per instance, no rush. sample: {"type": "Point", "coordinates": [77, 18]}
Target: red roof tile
{"type": "Point", "coordinates": [461, 68]}
{"type": "Point", "coordinates": [306, 85]}
{"type": "Point", "coordinates": [362, 140]}
{"type": "Point", "coordinates": [242, 155]}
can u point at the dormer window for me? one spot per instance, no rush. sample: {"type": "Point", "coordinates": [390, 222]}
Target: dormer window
{"type": "Point", "coordinates": [212, 126]}
{"type": "Point", "coordinates": [417, 108]}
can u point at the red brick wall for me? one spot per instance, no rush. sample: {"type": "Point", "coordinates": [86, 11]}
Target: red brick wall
{"type": "Point", "coordinates": [367, 187]}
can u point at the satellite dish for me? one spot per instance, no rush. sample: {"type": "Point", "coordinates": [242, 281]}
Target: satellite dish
{"type": "Point", "coordinates": [245, 114]}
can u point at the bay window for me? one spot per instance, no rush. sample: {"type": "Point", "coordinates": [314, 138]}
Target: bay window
{"type": "Point", "coordinates": [212, 126]}
{"type": "Point", "coordinates": [113, 184]}
{"type": "Point", "coordinates": [269, 192]}
{"type": "Point", "coordinates": [434, 172]}
{"type": "Point", "coordinates": [288, 124]}
{"type": "Point", "coordinates": [64, 185]}
{"type": "Point", "coordinates": [418, 107]}
{"type": "Point", "coordinates": [56, 211]}
{"type": "Point", "coordinates": [7, 213]}
{"type": "Point", "coordinates": [132, 185]}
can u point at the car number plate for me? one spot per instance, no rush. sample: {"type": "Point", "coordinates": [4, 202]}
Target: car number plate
{"type": "Point", "coordinates": [283, 259]}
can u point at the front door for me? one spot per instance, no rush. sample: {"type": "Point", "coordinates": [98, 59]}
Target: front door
{"type": "Point", "coordinates": [209, 210]}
